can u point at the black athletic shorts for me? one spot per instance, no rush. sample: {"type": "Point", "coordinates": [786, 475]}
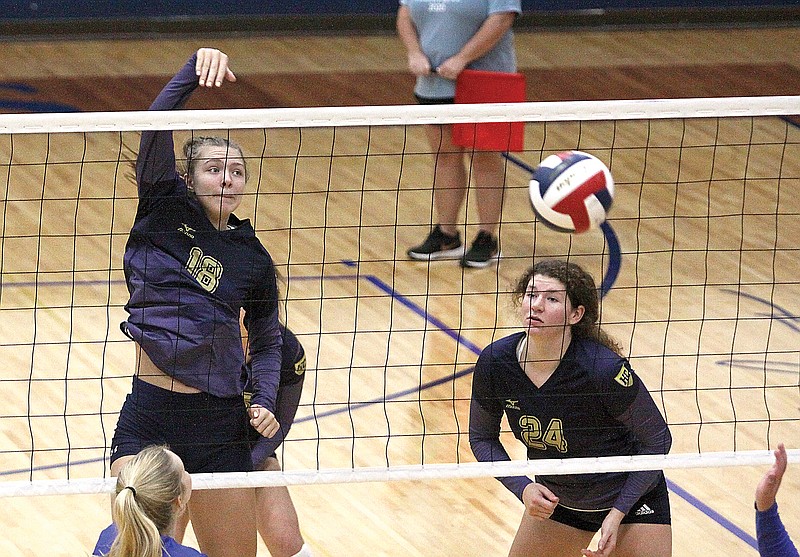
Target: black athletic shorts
{"type": "Point", "coordinates": [651, 508]}
{"type": "Point", "coordinates": [208, 433]}
{"type": "Point", "coordinates": [431, 100]}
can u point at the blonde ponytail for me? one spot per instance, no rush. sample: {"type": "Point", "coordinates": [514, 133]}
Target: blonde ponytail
{"type": "Point", "coordinates": [143, 509]}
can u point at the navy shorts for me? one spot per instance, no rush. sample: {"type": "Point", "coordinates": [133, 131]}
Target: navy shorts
{"type": "Point", "coordinates": [208, 433]}
{"type": "Point", "coordinates": [651, 508]}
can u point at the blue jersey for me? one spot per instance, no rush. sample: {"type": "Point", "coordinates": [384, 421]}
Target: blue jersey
{"type": "Point", "coordinates": [593, 405]}
{"type": "Point", "coordinates": [773, 540]}
{"type": "Point", "coordinates": [188, 281]}
{"type": "Point", "coordinates": [170, 548]}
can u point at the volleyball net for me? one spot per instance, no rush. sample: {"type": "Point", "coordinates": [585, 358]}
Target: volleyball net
{"type": "Point", "coordinates": [705, 301]}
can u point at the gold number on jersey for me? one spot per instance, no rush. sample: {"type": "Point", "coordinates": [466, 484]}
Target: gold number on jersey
{"type": "Point", "coordinates": [205, 269]}
{"type": "Point", "coordinates": [536, 438]}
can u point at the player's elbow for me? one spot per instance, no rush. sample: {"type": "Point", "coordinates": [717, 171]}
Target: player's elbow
{"type": "Point", "coordinates": [662, 442]}
{"type": "Point", "coordinates": [476, 443]}
{"type": "Point", "coordinates": [667, 439]}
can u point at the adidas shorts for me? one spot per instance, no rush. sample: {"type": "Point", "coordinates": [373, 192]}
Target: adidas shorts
{"type": "Point", "coordinates": [651, 508]}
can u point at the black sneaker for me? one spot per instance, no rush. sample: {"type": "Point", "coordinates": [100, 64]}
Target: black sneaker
{"type": "Point", "coordinates": [483, 251]}
{"type": "Point", "coordinates": [438, 245]}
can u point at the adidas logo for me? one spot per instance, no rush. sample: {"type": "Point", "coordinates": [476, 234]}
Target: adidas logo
{"type": "Point", "coordinates": [643, 510]}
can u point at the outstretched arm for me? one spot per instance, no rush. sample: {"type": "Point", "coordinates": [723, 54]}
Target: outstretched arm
{"type": "Point", "coordinates": [156, 160]}
{"type": "Point", "coordinates": [773, 540]}
{"type": "Point", "coordinates": [768, 486]}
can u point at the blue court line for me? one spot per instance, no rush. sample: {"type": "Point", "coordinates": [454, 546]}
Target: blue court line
{"type": "Point", "coordinates": [405, 301]}
{"type": "Point", "coordinates": [713, 515]}
{"type": "Point", "coordinates": [438, 323]}
{"type": "Point", "coordinates": [783, 316]}
{"type": "Point", "coordinates": [51, 466]}
{"type": "Point", "coordinates": [30, 283]}
{"type": "Point", "coordinates": [394, 396]}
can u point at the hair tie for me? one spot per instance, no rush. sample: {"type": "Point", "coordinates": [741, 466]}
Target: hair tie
{"type": "Point", "coordinates": [131, 488]}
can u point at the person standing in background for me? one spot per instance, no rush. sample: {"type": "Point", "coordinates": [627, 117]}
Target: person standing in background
{"type": "Point", "coordinates": [442, 39]}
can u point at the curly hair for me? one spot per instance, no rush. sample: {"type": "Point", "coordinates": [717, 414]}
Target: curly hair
{"type": "Point", "coordinates": [581, 291]}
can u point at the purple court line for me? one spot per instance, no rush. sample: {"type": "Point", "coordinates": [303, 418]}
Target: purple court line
{"type": "Point", "coordinates": [120, 281]}
{"type": "Point", "coordinates": [438, 323]}
{"type": "Point", "coordinates": [394, 396]}
{"type": "Point", "coordinates": [50, 466]}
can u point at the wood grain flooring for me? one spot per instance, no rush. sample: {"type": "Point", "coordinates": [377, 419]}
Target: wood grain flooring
{"type": "Point", "coordinates": [391, 342]}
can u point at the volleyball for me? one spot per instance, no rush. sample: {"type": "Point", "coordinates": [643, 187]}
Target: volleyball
{"type": "Point", "coordinates": [571, 191]}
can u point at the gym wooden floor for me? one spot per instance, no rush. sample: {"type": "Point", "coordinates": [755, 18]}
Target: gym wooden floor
{"type": "Point", "coordinates": [724, 362]}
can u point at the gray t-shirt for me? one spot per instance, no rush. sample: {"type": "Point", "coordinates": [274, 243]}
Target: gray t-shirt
{"type": "Point", "coordinates": [445, 26]}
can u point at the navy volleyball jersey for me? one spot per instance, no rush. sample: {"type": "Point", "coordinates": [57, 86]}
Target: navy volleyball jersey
{"type": "Point", "coordinates": [293, 363]}
{"type": "Point", "coordinates": [593, 405]}
{"type": "Point", "coordinates": [188, 281]}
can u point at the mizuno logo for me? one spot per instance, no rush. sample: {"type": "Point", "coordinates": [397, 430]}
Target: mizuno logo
{"type": "Point", "coordinates": [512, 404]}
{"type": "Point", "coordinates": [300, 367]}
{"type": "Point", "coordinates": [186, 229]}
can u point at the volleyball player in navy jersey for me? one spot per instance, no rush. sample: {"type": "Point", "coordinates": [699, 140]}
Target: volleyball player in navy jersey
{"type": "Point", "coordinates": [191, 266]}
{"type": "Point", "coordinates": [567, 393]}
